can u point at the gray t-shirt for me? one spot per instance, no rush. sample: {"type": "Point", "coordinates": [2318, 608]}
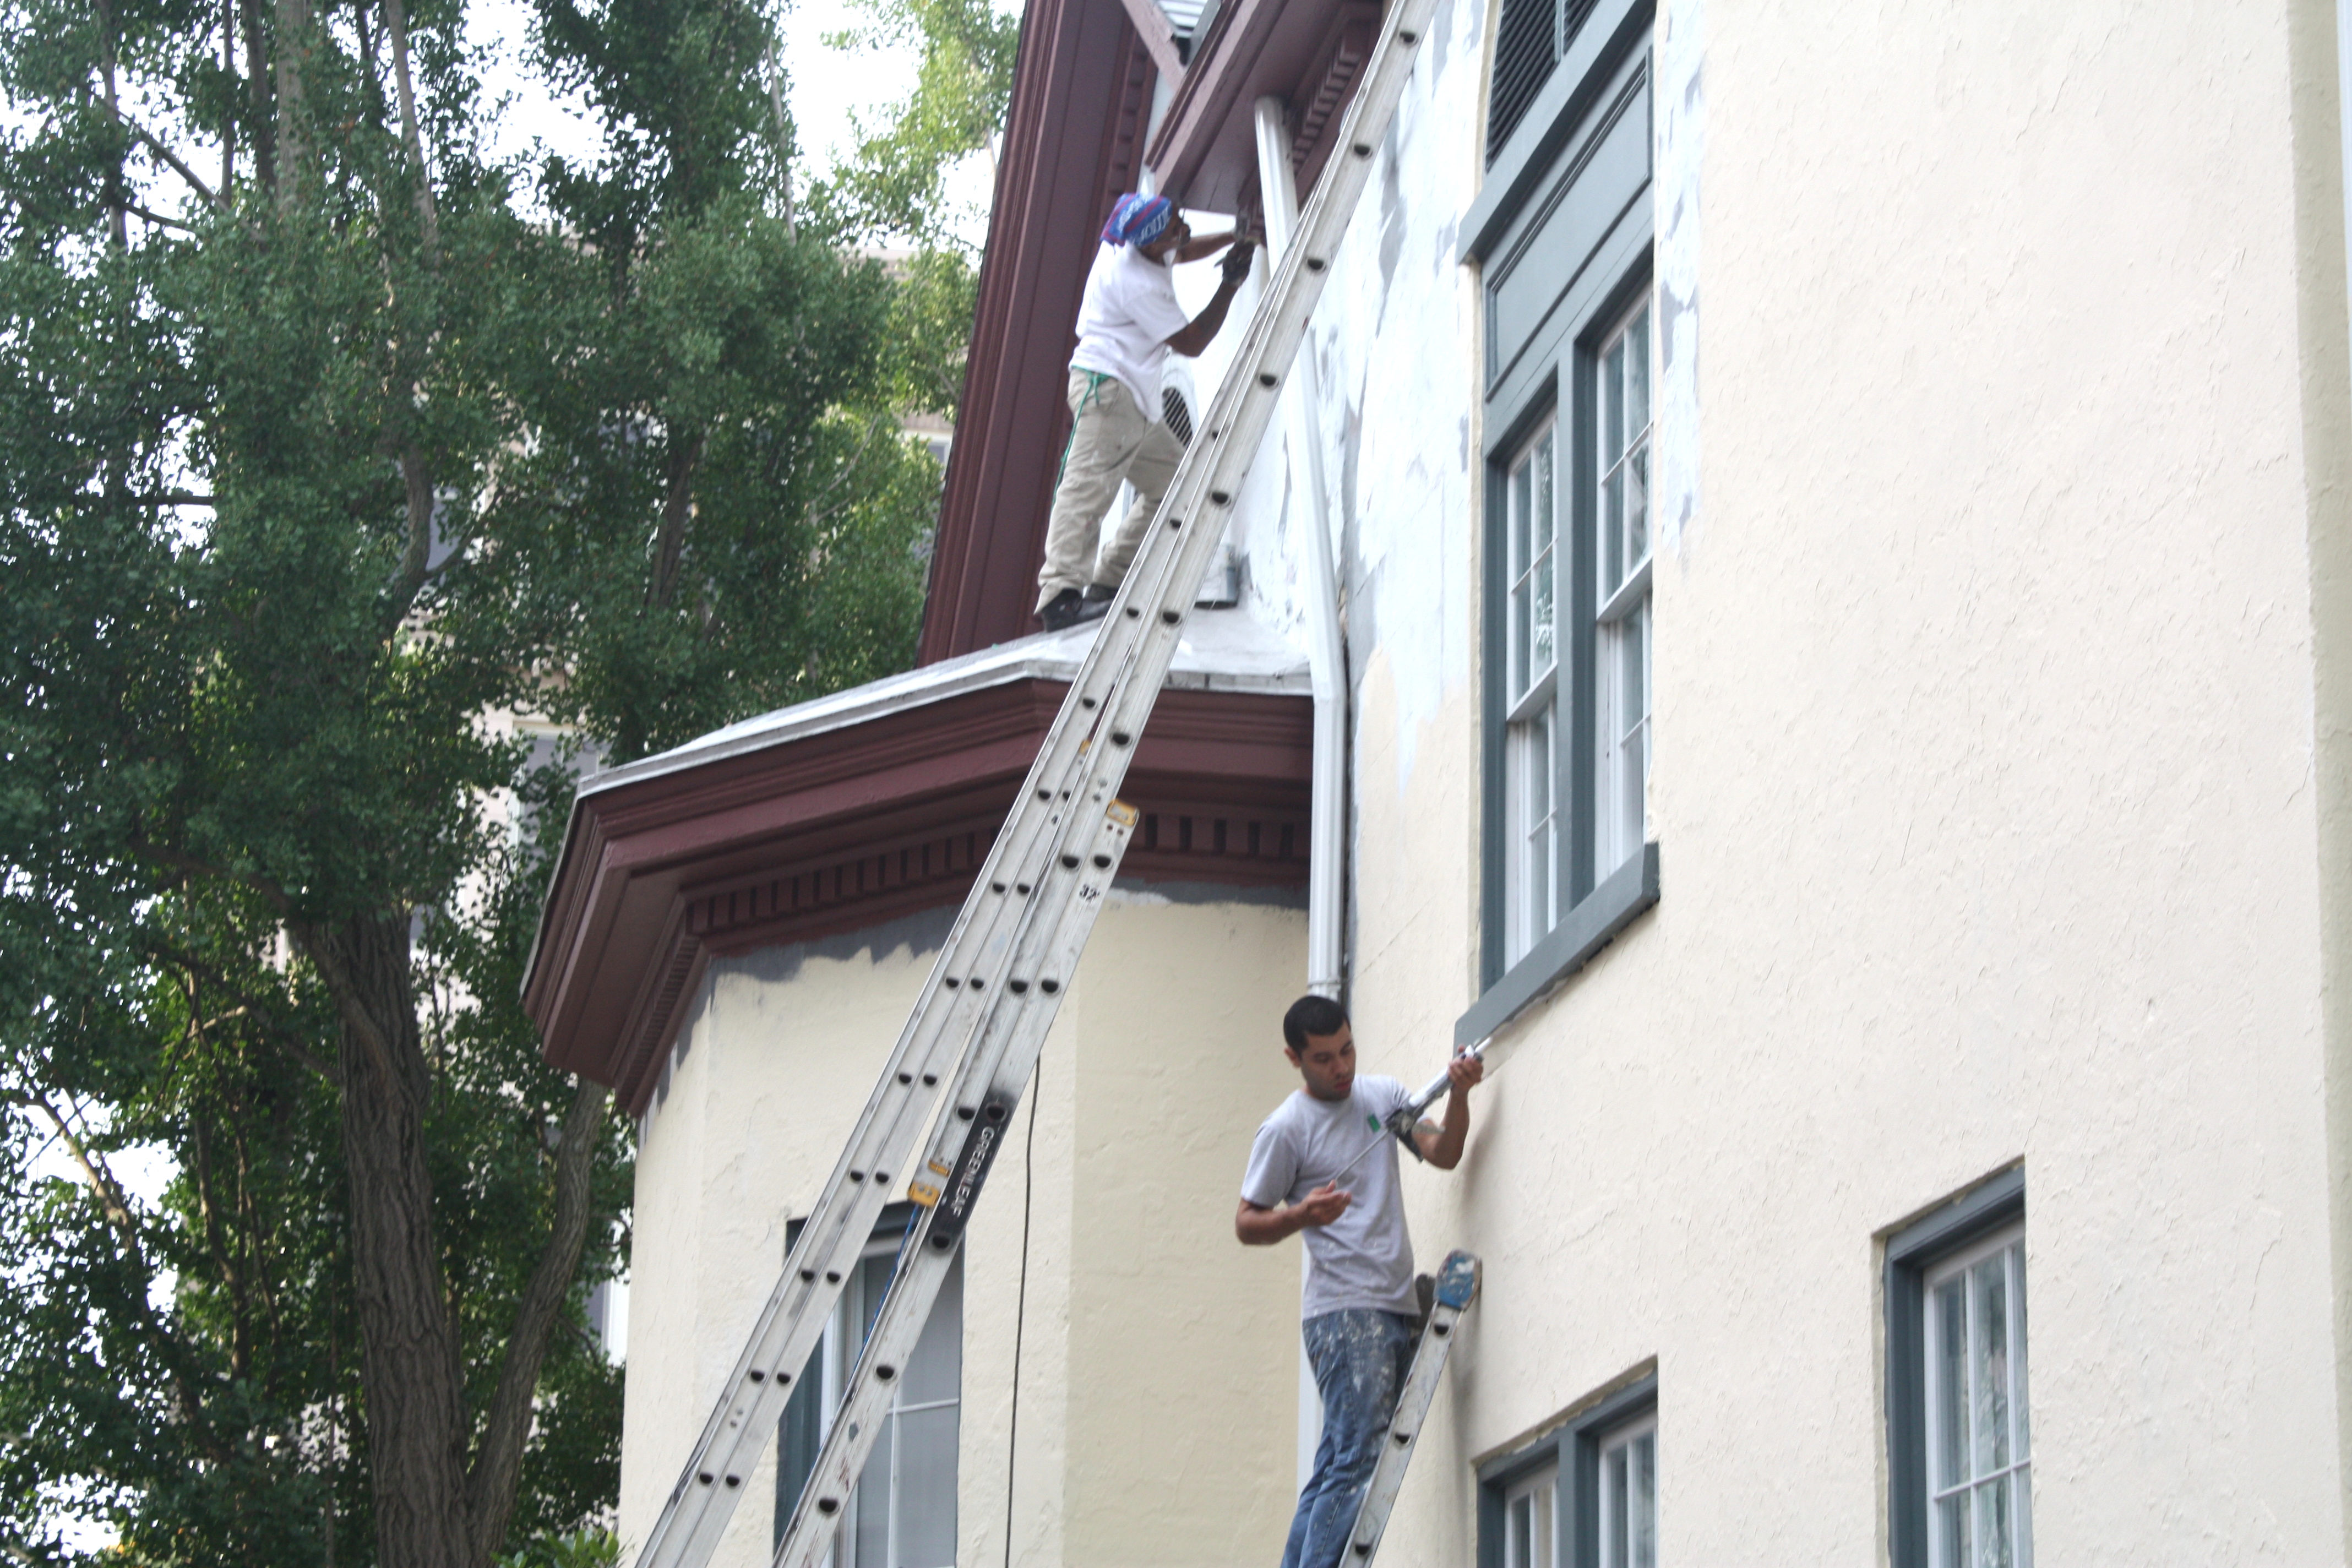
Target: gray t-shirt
{"type": "Point", "coordinates": [1363, 1258]}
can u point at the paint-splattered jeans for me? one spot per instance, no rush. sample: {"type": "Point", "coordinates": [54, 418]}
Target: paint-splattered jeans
{"type": "Point", "coordinates": [1360, 1358]}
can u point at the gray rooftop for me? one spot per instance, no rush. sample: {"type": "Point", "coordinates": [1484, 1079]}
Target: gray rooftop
{"type": "Point", "coordinates": [1222, 650]}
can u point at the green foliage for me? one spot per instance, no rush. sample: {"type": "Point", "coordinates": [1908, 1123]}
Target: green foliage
{"type": "Point", "coordinates": [896, 182]}
{"type": "Point", "coordinates": [311, 479]}
{"type": "Point", "coordinates": [577, 1549]}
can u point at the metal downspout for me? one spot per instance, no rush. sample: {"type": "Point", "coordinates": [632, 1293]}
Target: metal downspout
{"type": "Point", "coordinates": [1326, 655]}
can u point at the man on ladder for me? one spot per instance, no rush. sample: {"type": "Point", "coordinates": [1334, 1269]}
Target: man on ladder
{"type": "Point", "coordinates": [1127, 321]}
{"type": "Point", "coordinates": [1359, 1303]}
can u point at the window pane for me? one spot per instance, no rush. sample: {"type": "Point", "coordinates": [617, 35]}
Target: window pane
{"type": "Point", "coordinates": [1612, 1510]}
{"type": "Point", "coordinates": [927, 1489]}
{"type": "Point", "coordinates": [870, 1545]}
{"type": "Point", "coordinates": [1544, 517]}
{"type": "Point", "coordinates": [1989, 1283]}
{"type": "Point", "coordinates": [1538, 845]}
{"type": "Point", "coordinates": [1637, 374]}
{"type": "Point", "coordinates": [1521, 501]}
{"type": "Point", "coordinates": [1637, 507]}
{"type": "Point", "coordinates": [1521, 1537]}
{"type": "Point", "coordinates": [1633, 673]}
{"type": "Point", "coordinates": [1522, 618]}
{"type": "Point", "coordinates": [1952, 1538]}
{"type": "Point", "coordinates": [935, 1371]}
{"type": "Point", "coordinates": [1613, 532]}
{"type": "Point", "coordinates": [1950, 1392]}
{"type": "Point", "coordinates": [874, 1283]}
{"type": "Point", "coordinates": [1541, 614]}
{"type": "Point", "coordinates": [1996, 1542]}
{"type": "Point", "coordinates": [2019, 1404]}
{"type": "Point", "coordinates": [1642, 1501]}
{"type": "Point", "coordinates": [1613, 404]}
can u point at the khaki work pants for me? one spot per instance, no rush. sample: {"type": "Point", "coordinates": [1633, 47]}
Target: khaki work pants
{"type": "Point", "coordinates": [1112, 439]}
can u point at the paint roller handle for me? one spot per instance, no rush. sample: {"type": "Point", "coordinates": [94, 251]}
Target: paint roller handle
{"type": "Point", "coordinates": [1406, 1116]}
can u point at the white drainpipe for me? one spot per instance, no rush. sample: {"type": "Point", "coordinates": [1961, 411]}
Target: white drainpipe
{"type": "Point", "coordinates": [1327, 658]}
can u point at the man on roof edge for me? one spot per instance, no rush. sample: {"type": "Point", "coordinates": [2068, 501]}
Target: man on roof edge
{"type": "Point", "coordinates": [1128, 320]}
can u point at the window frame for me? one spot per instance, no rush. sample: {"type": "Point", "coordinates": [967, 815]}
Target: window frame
{"type": "Point", "coordinates": [1566, 251]}
{"type": "Point", "coordinates": [1913, 1254]}
{"type": "Point", "coordinates": [1572, 1451]}
{"type": "Point", "coordinates": [1592, 905]}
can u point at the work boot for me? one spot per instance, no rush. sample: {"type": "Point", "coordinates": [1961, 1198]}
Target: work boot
{"type": "Point", "coordinates": [1061, 612]}
{"type": "Point", "coordinates": [1098, 598]}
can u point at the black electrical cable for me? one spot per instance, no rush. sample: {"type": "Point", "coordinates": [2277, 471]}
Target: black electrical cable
{"type": "Point", "coordinates": [1021, 1306]}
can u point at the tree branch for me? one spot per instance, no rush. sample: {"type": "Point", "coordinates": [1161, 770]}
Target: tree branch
{"type": "Point", "coordinates": [117, 1210]}
{"type": "Point", "coordinates": [498, 1463]}
{"type": "Point", "coordinates": [418, 483]}
{"type": "Point", "coordinates": [270, 892]}
{"type": "Point", "coordinates": [259, 1009]}
{"type": "Point", "coordinates": [344, 990]}
{"type": "Point", "coordinates": [677, 506]}
{"type": "Point", "coordinates": [395, 17]}
{"type": "Point", "coordinates": [148, 139]}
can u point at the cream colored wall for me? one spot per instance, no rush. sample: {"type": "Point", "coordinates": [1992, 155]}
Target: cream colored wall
{"type": "Point", "coordinates": [1985, 782]}
{"type": "Point", "coordinates": [1183, 1359]}
{"type": "Point", "coordinates": [1158, 1357]}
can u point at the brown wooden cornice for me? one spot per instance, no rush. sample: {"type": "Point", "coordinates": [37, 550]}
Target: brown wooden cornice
{"type": "Point", "coordinates": [1308, 53]}
{"type": "Point", "coordinates": [846, 827]}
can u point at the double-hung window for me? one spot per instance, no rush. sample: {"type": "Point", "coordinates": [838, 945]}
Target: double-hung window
{"type": "Point", "coordinates": [1959, 1442]}
{"type": "Point", "coordinates": [903, 1511]}
{"type": "Point", "coordinates": [1584, 1495]}
{"type": "Point", "coordinates": [1562, 233]}
{"type": "Point", "coordinates": [1980, 1503]}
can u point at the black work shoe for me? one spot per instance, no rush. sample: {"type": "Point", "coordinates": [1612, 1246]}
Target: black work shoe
{"type": "Point", "coordinates": [1098, 594]}
{"type": "Point", "coordinates": [1061, 612]}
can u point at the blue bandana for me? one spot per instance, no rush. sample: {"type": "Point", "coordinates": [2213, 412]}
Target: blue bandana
{"type": "Point", "coordinates": [1138, 220]}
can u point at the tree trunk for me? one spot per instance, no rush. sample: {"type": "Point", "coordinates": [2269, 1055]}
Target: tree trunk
{"type": "Point", "coordinates": [416, 1422]}
{"type": "Point", "coordinates": [260, 110]}
{"type": "Point", "coordinates": [497, 1466]}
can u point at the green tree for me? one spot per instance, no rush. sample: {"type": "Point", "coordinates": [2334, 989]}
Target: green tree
{"type": "Point", "coordinates": [327, 447]}
{"type": "Point", "coordinates": [895, 180]}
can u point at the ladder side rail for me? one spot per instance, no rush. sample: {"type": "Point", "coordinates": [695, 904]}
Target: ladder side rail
{"type": "Point", "coordinates": [1457, 1288]}
{"type": "Point", "coordinates": [834, 1235]}
{"type": "Point", "coordinates": [1012, 900]}
{"type": "Point", "coordinates": [995, 917]}
{"type": "Point", "coordinates": [937, 1231]}
{"type": "Point", "coordinates": [1127, 669]}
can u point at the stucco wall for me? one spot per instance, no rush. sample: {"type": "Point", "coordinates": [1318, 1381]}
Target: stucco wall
{"type": "Point", "coordinates": [1985, 777]}
{"type": "Point", "coordinates": [1158, 1357]}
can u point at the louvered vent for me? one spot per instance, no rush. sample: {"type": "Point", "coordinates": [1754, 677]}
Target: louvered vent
{"type": "Point", "coordinates": [1179, 418]}
{"type": "Point", "coordinates": [1533, 37]}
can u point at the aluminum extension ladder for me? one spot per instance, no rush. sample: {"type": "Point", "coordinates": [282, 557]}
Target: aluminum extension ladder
{"type": "Point", "coordinates": [980, 1019]}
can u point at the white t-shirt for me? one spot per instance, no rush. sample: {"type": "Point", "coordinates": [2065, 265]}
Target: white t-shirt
{"type": "Point", "coordinates": [1129, 313]}
{"type": "Point", "coordinates": [1363, 1258]}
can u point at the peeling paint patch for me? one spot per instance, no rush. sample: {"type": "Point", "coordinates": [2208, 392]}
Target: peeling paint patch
{"type": "Point", "coordinates": [1681, 137]}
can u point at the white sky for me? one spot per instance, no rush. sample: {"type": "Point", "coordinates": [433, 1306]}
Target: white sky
{"type": "Point", "coordinates": [825, 88]}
